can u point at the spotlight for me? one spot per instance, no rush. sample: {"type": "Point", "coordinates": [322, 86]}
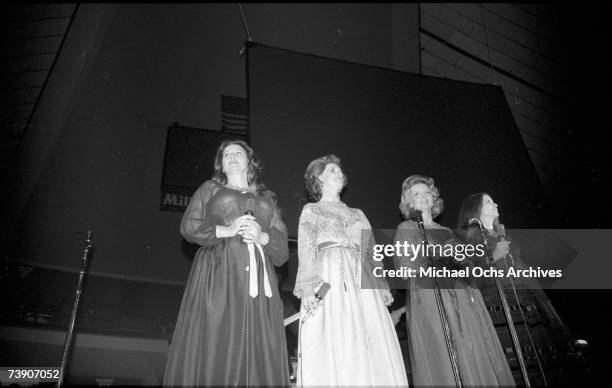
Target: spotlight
{"type": "Point", "coordinates": [581, 343]}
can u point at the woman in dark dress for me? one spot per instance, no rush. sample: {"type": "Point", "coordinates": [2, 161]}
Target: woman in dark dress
{"type": "Point", "coordinates": [230, 329]}
{"type": "Point", "coordinates": [542, 329]}
{"type": "Point", "coordinates": [480, 357]}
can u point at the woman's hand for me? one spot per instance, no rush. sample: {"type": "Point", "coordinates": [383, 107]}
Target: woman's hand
{"type": "Point", "coordinates": [234, 228]}
{"type": "Point", "coordinates": [310, 303]}
{"type": "Point", "coordinates": [397, 314]}
{"type": "Point", "coordinates": [251, 233]}
{"type": "Point", "coordinates": [240, 224]}
{"type": "Point", "coordinates": [387, 297]}
{"type": "Point", "coordinates": [502, 248]}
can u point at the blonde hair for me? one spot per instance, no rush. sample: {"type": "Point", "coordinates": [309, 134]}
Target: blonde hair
{"type": "Point", "coordinates": [405, 204]}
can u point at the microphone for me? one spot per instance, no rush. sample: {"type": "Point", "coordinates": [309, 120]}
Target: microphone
{"type": "Point", "coordinates": [501, 232]}
{"type": "Point", "coordinates": [320, 294]}
{"type": "Point", "coordinates": [249, 207]}
{"type": "Point", "coordinates": [417, 216]}
{"type": "Point", "coordinates": [501, 235]}
{"type": "Point", "coordinates": [248, 210]}
{"type": "Point", "coordinates": [322, 291]}
{"type": "Point", "coordinates": [474, 221]}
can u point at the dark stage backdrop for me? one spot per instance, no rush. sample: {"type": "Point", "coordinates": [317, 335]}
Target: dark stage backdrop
{"type": "Point", "coordinates": [386, 125]}
{"type": "Point", "coordinates": [188, 162]}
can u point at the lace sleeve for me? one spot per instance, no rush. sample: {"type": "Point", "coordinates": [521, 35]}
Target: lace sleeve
{"type": "Point", "coordinates": [307, 278]}
{"type": "Point", "coordinates": [367, 252]}
{"type": "Point", "coordinates": [196, 227]}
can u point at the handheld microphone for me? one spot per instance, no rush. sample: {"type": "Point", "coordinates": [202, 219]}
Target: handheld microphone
{"type": "Point", "coordinates": [501, 235]}
{"type": "Point", "coordinates": [322, 291]}
{"type": "Point", "coordinates": [320, 294]}
{"type": "Point", "coordinates": [249, 210]}
{"type": "Point", "coordinates": [250, 205]}
{"type": "Point", "coordinates": [501, 232]}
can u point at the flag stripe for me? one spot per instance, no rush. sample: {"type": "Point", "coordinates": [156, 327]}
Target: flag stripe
{"type": "Point", "coordinates": [234, 113]}
{"type": "Point", "coordinates": [234, 118]}
{"type": "Point", "coordinates": [236, 125]}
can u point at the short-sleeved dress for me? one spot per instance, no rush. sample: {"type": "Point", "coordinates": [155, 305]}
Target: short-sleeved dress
{"type": "Point", "coordinates": [224, 335]}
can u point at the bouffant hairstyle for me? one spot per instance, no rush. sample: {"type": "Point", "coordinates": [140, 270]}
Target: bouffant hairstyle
{"type": "Point", "coordinates": [406, 199]}
{"type": "Point", "coordinates": [314, 170]}
{"type": "Point", "coordinates": [254, 171]}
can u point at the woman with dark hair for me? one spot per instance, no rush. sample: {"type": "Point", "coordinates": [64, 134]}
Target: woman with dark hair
{"type": "Point", "coordinates": [350, 339]}
{"type": "Point", "coordinates": [230, 329]}
{"type": "Point", "coordinates": [546, 330]}
{"type": "Point", "coordinates": [481, 207]}
{"type": "Point", "coordinates": [480, 357]}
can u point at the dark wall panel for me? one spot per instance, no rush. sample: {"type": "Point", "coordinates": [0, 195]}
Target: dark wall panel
{"type": "Point", "coordinates": [94, 155]}
{"type": "Point", "coordinates": [386, 125]}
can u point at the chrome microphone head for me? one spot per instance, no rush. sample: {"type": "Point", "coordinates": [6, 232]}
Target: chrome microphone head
{"type": "Point", "coordinates": [474, 221]}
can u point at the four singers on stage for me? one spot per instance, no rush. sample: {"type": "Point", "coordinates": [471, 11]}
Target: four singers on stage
{"type": "Point", "coordinates": [230, 329]}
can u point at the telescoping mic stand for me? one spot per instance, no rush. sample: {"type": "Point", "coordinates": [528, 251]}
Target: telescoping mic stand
{"type": "Point", "coordinates": [75, 309]}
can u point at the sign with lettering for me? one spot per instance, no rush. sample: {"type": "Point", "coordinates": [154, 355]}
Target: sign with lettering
{"type": "Point", "coordinates": [188, 162]}
{"type": "Point", "coordinates": [175, 199]}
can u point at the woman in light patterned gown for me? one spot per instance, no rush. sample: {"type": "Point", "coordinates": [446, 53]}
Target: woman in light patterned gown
{"type": "Point", "coordinates": [350, 338]}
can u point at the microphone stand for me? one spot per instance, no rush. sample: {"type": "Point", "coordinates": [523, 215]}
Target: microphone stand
{"type": "Point", "coordinates": [501, 231]}
{"type": "Point", "coordinates": [249, 211]}
{"type": "Point", "coordinates": [75, 309]}
{"type": "Point", "coordinates": [417, 215]}
{"type": "Point", "coordinates": [504, 301]}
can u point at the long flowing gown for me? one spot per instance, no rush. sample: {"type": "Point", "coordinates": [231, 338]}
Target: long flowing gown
{"type": "Point", "coordinates": [350, 340]}
{"type": "Point", "coordinates": [481, 359]}
{"type": "Point", "coordinates": [224, 335]}
{"type": "Point", "coordinates": [543, 328]}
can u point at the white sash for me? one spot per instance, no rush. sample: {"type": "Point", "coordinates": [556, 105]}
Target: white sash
{"type": "Point", "coordinates": [253, 289]}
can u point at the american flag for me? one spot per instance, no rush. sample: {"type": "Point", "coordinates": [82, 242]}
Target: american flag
{"type": "Point", "coordinates": [234, 113]}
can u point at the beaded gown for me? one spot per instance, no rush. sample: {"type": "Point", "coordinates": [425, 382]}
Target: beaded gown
{"type": "Point", "coordinates": [481, 359]}
{"type": "Point", "coordinates": [224, 335]}
{"type": "Point", "coordinates": [351, 339]}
